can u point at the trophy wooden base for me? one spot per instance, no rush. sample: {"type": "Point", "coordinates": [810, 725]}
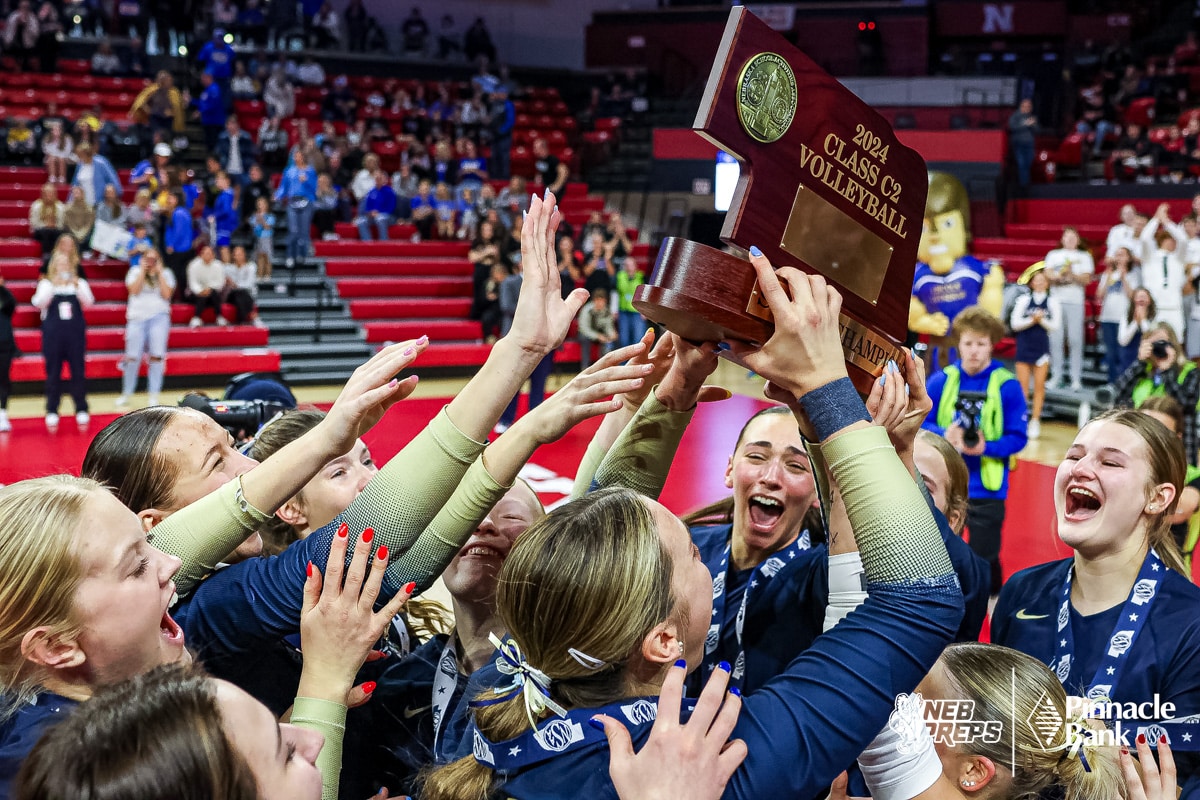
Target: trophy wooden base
{"type": "Point", "coordinates": [706, 295]}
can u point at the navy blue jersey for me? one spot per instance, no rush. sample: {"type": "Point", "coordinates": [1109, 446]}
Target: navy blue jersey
{"type": "Point", "coordinates": [805, 725]}
{"type": "Point", "coordinates": [1163, 660]}
{"type": "Point", "coordinates": [20, 732]}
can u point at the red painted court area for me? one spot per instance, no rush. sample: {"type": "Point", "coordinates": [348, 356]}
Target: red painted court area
{"type": "Point", "coordinates": [697, 477]}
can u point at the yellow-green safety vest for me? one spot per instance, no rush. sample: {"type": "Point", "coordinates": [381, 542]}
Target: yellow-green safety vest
{"type": "Point", "coordinates": [991, 423]}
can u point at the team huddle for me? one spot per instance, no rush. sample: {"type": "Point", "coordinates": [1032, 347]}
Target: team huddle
{"type": "Point", "coordinates": [822, 620]}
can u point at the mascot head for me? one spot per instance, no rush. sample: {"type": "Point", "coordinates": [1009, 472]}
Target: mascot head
{"type": "Point", "coordinates": [947, 218]}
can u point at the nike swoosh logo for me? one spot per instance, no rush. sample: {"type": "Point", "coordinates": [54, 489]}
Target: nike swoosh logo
{"type": "Point", "coordinates": [1023, 614]}
{"type": "Point", "coordinates": [409, 713]}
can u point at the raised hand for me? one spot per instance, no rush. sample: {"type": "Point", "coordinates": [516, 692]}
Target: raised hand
{"type": "Point", "coordinates": [659, 355]}
{"type": "Point", "coordinates": [1157, 781]}
{"type": "Point", "coordinates": [683, 385]}
{"type": "Point", "coordinates": [805, 352]}
{"type": "Point", "coordinates": [693, 759]}
{"type": "Point", "coordinates": [542, 316]}
{"type": "Point", "coordinates": [338, 624]}
{"type": "Point", "coordinates": [593, 392]}
{"type": "Point", "coordinates": [372, 389]}
{"type": "Point", "coordinates": [900, 403]}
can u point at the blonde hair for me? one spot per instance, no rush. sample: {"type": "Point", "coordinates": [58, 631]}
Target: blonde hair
{"type": "Point", "coordinates": [592, 576]}
{"type": "Point", "coordinates": [958, 487]}
{"type": "Point", "coordinates": [1004, 684]}
{"type": "Point", "coordinates": [40, 572]}
{"type": "Point", "coordinates": [1168, 464]}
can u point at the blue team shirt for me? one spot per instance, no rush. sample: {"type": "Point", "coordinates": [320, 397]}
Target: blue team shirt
{"type": "Point", "coordinates": [1165, 658]}
{"type": "Point", "coordinates": [805, 725]}
{"type": "Point", "coordinates": [211, 106]}
{"type": "Point", "coordinates": [1011, 442]}
{"type": "Point", "coordinates": [217, 58]}
{"type": "Point", "coordinates": [950, 293]}
{"type": "Point", "coordinates": [225, 214]}
{"type": "Point", "coordinates": [20, 732]}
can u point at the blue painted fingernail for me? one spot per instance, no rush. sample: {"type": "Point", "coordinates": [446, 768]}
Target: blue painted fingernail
{"type": "Point", "coordinates": [524, 213]}
{"type": "Point", "coordinates": [681, 663]}
{"type": "Point", "coordinates": [595, 723]}
{"type": "Point", "coordinates": [533, 197]}
{"type": "Point", "coordinates": [735, 691]}
{"type": "Point", "coordinates": [546, 194]}
{"type": "Point", "coordinates": [883, 379]}
{"type": "Point", "coordinates": [724, 665]}
{"type": "Point", "coordinates": [754, 251]}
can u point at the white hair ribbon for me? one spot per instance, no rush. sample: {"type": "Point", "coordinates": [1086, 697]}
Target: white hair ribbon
{"type": "Point", "coordinates": [533, 683]}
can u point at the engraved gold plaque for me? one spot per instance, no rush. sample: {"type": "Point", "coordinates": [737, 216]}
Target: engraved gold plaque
{"type": "Point", "coordinates": [824, 237]}
{"type": "Point", "coordinates": [766, 97]}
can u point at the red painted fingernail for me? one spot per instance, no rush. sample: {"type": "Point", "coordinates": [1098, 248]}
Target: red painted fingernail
{"type": "Point", "coordinates": [343, 531]}
{"type": "Point", "coordinates": [310, 569]}
{"type": "Point", "coordinates": [368, 534]}
{"type": "Point", "coordinates": [1162, 739]}
{"type": "Point", "coordinates": [410, 587]}
{"type": "Point", "coordinates": [381, 553]}
{"type": "Point", "coordinates": [368, 687]}
{"type": "Point", "coordinates": [1141, 738]}
{"type": "Point", "coordinates": [1124, 751]}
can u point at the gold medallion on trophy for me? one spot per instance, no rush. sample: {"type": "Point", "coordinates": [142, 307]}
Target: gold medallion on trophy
{"type": "Point", "coordinates": [766, 96]}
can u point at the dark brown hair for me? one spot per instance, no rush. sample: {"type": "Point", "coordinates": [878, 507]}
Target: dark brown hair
{"type": "Point", "coordinates": [157, 735]}
{"type": "Point", "coordinates": [124, 456]}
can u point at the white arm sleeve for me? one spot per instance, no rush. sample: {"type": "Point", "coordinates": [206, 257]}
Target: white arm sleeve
{"type": "Point", "coordinates": [846, 587]}
{"type": "Point", "coordinates": [901, 761]}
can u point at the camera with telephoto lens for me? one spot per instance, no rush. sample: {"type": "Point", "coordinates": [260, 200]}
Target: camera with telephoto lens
{"type": "Point", "coordinates": [1160, 348]}
{"type": "Point", "coordinates": [970, 411]}
{"type": "Point", "coordinates": [242, 418]}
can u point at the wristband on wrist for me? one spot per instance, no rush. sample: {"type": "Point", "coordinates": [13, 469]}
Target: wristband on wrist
{"type": "Point", "coordinates": [834, 406]}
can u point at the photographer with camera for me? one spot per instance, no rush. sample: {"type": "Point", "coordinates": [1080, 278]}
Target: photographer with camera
{"type": "Point", "coordinates": [979, 407]}
{"type": "Point", "coordinates": [1163, 369]}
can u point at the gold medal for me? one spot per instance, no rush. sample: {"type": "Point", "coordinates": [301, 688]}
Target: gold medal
{"type": "Point", "coordinates": [766, 97]}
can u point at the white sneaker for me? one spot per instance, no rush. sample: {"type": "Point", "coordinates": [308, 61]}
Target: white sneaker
{"type": "Point", "coordinates": [82, 418]}
{"type": "Point", "coordinates": [221, 321]}
{"type": "Point", "coordinates": [1035, 428]}
{"type": "Point", "coordinates": [121, 401]}
{"type": "Point", "coordinates": [5, 425]}
{"type": "Point", "coordinates": [195, 323]}
{"type": "Point", "coordinates": [52, 421]}
{"type": "Point", "coordinates": [152, 400]}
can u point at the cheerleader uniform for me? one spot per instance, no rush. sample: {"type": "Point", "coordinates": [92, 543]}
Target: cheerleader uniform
{"type": "Point", "coordinates": [1135, 652]}
{"type": "Point", "coordinates": [1033, 338]}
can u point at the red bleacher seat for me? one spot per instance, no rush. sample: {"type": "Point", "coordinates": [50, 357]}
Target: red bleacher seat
{"type": "Point", "coordinates": [397, 308]}
{"type": "Point", "coordinates": [428, 286]}
{"type": "Point", "coordinates": [397, 267]}
{"type": "Point", "coordinates": [436, 329]}
{"type": "Point", "coordinates": [75, 66]}
{"type": "Point", "coordinates": [182, 338]}
{"type": "Point", "coordinates": [200, 362]}
{"type": "Point", "coordinates": [391, 249]}
{"type": "Point", "coordinates": [1140, 111]}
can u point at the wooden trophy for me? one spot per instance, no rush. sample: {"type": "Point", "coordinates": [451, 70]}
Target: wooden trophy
{"type": "Point", "coordinates": [825, 187]}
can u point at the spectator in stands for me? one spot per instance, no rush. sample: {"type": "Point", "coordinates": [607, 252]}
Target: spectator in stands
{"type": "Point", "coordinates": [378, 209]}
{"type": "Point", "coordinates": [256, 186]}
{"type": "Point", "coordinates": [151, 173]}
{"type": "Point", "coordinates": [596, 329]}
{"type": "Point", "coordinates": [67, 247]}
{"type": "Point", "coordinates": [1034, 315]}
{"type": "Point", "coordinates": [21, 36]}
{"type": "Point", "coordinates": [446, 208]}
{"type": "Point", "coordinates": [502, 120]}
{"type": "Point", "coordinates": [50, 28]}
{"type": "Point", "coordinates": [599, 269]}
{"type": "Point", "coordinates": [62, 295]}
{"type": "Point", "coordinates": [242, 85]}
{"type": "Point", "coordinates": [364, 180]}
{"type": "Point", "coordinates": [340, 104]}
{"type": "Point", "coordinates": [1070, 268]}
{"type": "Point", "coordinates": [20, 140]}
{"type": "Point", "coordinates": [243, 288]}
{"type": "Point", "coordinates": [1162, 369]}
{"type": "Point", "coordinates": [147, 325]}
{"type": "Point", "coordinates": [485, 254]}
{"type": "Point", "coordinates": [405, 184]}
{"type": "Point", "coordinates": [570, 263]}
{"type": "Point", "coordinates": [1022, 129]}
{"type": "Point", "coordinates": [136, 63]}
{"type": "Point", "coordinates": [79, 216]}
{"type": "Point", "coordinates": [224, 217]}
{"type": "Point", "coordinates": [279, 95]}
{"type": "Point", "coordinates": [178, 239]}
{"type": "Point", "coordinates": [327, 28]}
{"type": "Point", "coordinates": [631, 324]}
{"type": "Point", "coordinates": [1163, 271]}
{"type": "Point", "coordinates": [325, 213]}
{"type": "Point", "coordinates": [310, 72]}
{"type": "Point", "coordinates": [1096, 115]}
{"type": "Point", "coordinates": [263, 226]}
{"type": "Point", "coordinates": [273, 143]}
{"type": "Point", "coordinates": [236, 152]}
{"type": "Point", "coordinates": [160, 106]}
{"type": "Point", "coordinates": [490, 315]}
{"type": "Point", "coordinates": [1142, 316]}
{"type": "Point", "coordinates": [549, 172]}
{"type": "Point", "coordinates": [449, 41]}
{"type": "Point", "coordinates": [444, 167]}
{"type": "Point", "coordinates": [104, 60]}
{"type": "Point", "coordinates": [46, 218]}
{"type": "Point", "coordinates": [1113, 292]}
{"type": "Point", "coordinates": [140, 244]}
{"type": "Point", "coordinates": [252, 23]}
{"type": "Point", "coordinates": [1122, 234]}
{"type": "Point", "coordinates": [472, 167]}
{"type": "Point", "coordinates": [298, 190]}
{"type": "Point", "coordinates": [423, 213]}
{"type": "Point", "coordinates": [8, 349]}
{"type": "Point", "coordinates": [216, 59]}
{"type": "Point", "coordinates": [415, 31]}
{"type": "Point", "coordinates": [477, 42]}
{"type": "Point", "coordinates": [57, 148]}
{"type": "Point", "coordinates": [210, 110]}
{"type": "Point", "coordinates": [110, 209]}
{"type": "Point", "coordinates": [619, 237]}
{"type": "Point", "coordinates": [141, 212]}
{"type": "Point", "coordinates": [1134, 154]}
{"type": "Point", "coordinates": [207, 284]}
{"type": "Point", "coordinates": [93, 173]}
